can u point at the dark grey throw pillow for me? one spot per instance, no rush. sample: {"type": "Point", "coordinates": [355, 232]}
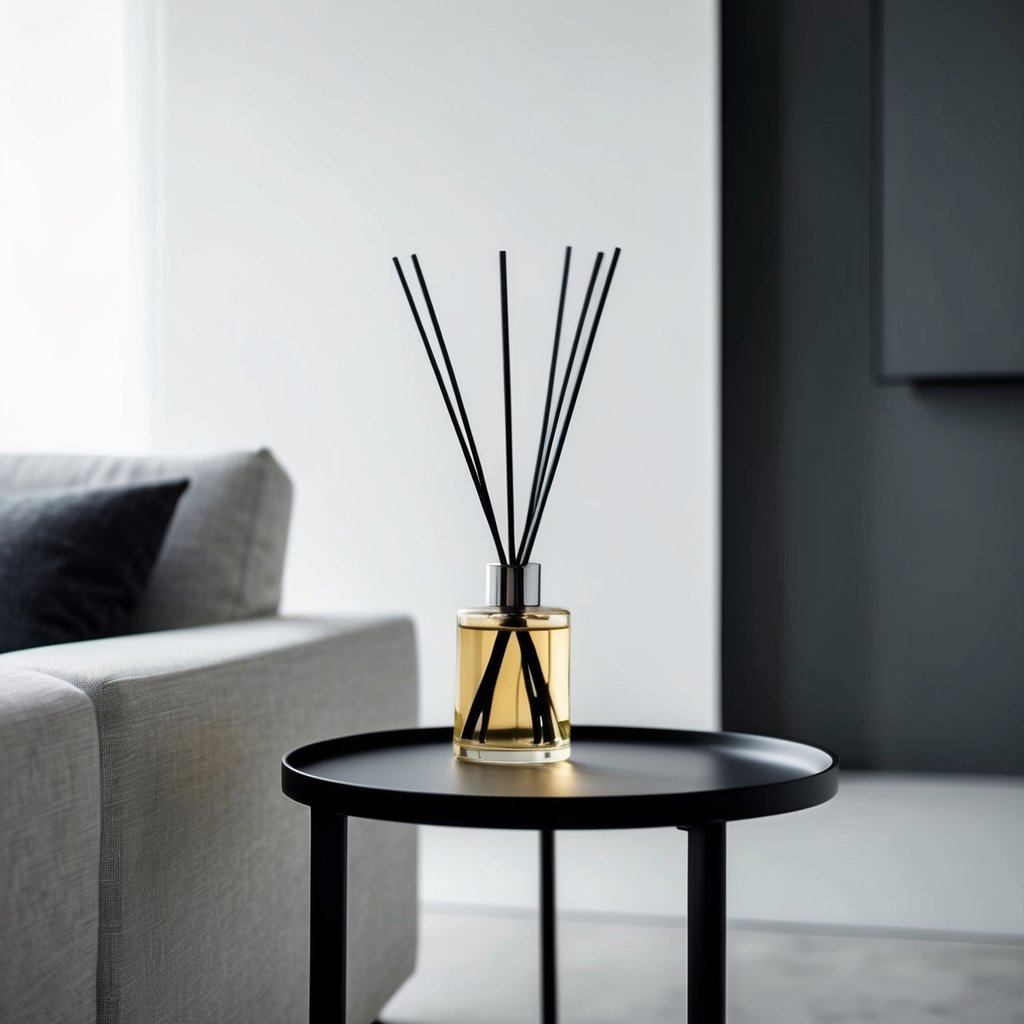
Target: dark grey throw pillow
{"type": "Point", "coordinates": [74, 563]}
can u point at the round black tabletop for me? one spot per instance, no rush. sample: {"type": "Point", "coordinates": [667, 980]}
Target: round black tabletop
{"type": "Point", "coordinates": [616, 778]}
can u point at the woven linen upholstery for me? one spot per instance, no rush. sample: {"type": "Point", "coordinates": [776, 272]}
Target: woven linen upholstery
{"type": "Point", "coordinates": [49, 850]}
{"type": "Point", "coordinates": [204, 869]}
{"type": "Point", "coordinates": [223, 555]}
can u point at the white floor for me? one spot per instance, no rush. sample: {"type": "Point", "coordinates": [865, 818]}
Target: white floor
{"type": "Point", "coordinates": [930, 853]}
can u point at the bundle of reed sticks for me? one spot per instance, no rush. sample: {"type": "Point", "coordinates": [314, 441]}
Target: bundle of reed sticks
{"type": "Point", "coordinates": [554, 430]}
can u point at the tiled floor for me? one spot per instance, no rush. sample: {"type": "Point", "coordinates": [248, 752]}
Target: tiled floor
{"type": "Point", "coordinates": [816, 901]}
{"type": "Point", "coordinates": [478, 967]}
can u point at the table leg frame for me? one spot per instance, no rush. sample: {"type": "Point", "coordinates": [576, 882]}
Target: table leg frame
{"type": "Point", "coordinates": [705, 993]}
{"type": "Point", "coordinates": [705, 924]}
{"type": "Point", "coordinates": [548, 944]}
{"type": "Point", "coordinates": [328, 912]}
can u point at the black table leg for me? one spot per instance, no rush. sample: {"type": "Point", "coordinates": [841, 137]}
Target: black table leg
{"type": "Point", "coordinates": [705, 998]}
{"type": "Point", "coordinates": [327, 913]}
{"type": "Point", "coordinates": [549, 986]}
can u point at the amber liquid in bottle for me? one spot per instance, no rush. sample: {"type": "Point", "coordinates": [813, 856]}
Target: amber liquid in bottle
{"type": "Point", "coordinates": [512, 699]}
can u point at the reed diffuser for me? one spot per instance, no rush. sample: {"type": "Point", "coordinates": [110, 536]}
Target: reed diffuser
{"type": "Point", "coordinates": [512, 696]}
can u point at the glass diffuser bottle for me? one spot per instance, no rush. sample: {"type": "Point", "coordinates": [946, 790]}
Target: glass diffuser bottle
{"type": "Point", "coordinates": [512, 696]}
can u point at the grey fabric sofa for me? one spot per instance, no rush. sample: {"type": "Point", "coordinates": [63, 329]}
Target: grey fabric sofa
{"type": "Point", "coordinates": [151, 870]}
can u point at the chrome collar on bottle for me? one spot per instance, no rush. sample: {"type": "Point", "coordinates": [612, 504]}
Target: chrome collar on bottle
{"type": "Point", "coordinates": [513, 586]}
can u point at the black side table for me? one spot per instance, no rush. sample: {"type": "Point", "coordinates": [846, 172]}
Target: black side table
{"type": "Point", "coordinates": [617, 778]}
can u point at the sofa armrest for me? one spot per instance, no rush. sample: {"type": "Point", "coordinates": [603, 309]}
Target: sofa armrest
{"type": "Point", "coordinates": [204, 863]}
{"type": "Point", "coordinates": [49, 850]}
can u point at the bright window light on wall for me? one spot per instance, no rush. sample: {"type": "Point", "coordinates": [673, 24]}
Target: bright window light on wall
{"type": "Point", "coordinates": [71, 354]}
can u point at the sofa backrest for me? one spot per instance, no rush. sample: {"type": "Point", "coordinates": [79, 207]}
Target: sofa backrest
{"type": "Point", "coordinates": [223, 556]}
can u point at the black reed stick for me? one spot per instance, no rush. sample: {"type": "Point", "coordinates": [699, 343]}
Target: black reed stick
{"type": "Point", "coordinates": [532, 697]}
{"type": "Point", "coordinates": [484, 696]}
{"type": "Point", "coordinates": [507, 372]}
{"type": "Point", "coordinates": [530, 527]}
{"type": "Point", "coordinates": [548, 720]}
{"type": "Point", "coordinates": [478, 484]}
{"type": "Point", "coordinates": [572, 405]}
{"type": "Point", "coordinates": [547, 400]}
{"type": "Point", "coordinates": [492, 521]}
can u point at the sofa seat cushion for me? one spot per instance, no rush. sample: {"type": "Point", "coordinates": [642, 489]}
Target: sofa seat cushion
{"type": "Point", "coordinates": [74, 563]}
{"type": "Point", "coordinates": [224, 553]}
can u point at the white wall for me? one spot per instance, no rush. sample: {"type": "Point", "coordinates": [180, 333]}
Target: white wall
{"type": "Point", "coordinates": [304, 144]}
{"type": "Point", "coordinates": [71, 366]}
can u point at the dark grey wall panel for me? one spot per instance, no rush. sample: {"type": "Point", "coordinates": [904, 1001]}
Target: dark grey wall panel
{"type": "Point", "coordinates": [947, 543]}
{"type": "Point", "coordinates": [751, 316]}
{"type": "Point", "coordinates": [873, 536]}
{"type": "Point", "coordinates": [951, 105]}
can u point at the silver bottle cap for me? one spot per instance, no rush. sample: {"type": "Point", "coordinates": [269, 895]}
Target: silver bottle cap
{"type": "Point", "coordinates": [513, 586]}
